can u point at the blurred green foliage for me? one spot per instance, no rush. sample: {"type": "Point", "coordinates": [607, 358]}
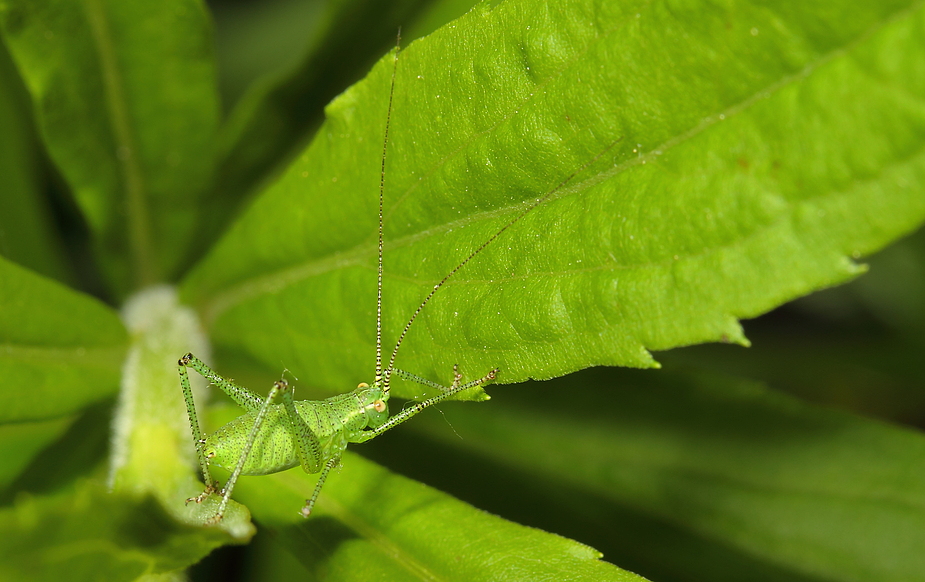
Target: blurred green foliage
{"type": "Point", "coordinates": [696, 164]}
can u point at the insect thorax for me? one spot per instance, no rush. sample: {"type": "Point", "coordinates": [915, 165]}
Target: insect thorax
{"type": "Point", "coordinates": [350, 412]}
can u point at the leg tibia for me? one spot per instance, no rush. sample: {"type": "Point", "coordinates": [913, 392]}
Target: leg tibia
{"type": "Point", "coordinates": [419, 380]}
{"type": "Point", "coordinates": [310, 503]}
{"type": "Point", "coordinates": [455, 388]}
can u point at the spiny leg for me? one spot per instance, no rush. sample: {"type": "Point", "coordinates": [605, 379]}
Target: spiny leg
{"type": "Point", "coordinates": [455, 387]}
{"type": "Point", "coordinates": [418, 407]}
{"type": "Point", "coordinates": [249, 401]}
{"type": "Point", "coordinates": [278, 386]}
{"type": "Point", "coordinates": [244, 397]}
{"type": "Point", "coordinates": [198, 441]}
{"type": "Point", "coordinates": [425, 382]}
{"type": "Point", "coordinates": [310, 503]}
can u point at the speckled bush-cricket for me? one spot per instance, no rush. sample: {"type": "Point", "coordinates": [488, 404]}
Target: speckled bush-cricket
{"type": "Point", "coordinates": [273, 437]}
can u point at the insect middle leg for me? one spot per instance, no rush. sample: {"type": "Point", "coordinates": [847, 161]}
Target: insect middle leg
{"type": "Point", "coordinates": [310, 502]}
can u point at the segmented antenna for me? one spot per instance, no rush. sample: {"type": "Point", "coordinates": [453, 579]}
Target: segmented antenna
{"type": "Point", "coordinates": [385, 144]}
{"type": "Point", "coordinates": [491, 239]}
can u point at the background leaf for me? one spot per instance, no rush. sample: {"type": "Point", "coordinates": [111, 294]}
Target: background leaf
{"type": "Point", "coordinates": [281, 62]}
{"type": "Point", "coordinates": [59, 350]}
{"type": "Point", "coordinates": [20, 442]}
{"type": "Point", "coordinates": [140, 79]}
{"type": "Point", "coordinates": [278, 114]}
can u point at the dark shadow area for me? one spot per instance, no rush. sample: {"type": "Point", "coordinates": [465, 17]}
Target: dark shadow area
{"type": "Point", "coordinates": [627, 536]}
{"type": "Point", "coordinates": [77, 454]}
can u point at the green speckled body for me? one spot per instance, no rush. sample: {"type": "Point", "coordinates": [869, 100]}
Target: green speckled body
{"type": "Point", "coordinates": [335, 421]}
{"type": "Point", "coordinates": [272, 437]}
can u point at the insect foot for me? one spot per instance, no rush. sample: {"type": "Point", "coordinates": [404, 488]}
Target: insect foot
{"type": "Point", "coordinates": [458, 386]}
{"type": "Point", "coordinates": [213, 520]}
{"type": "Point", "coordinates": [457, 378]}
{"type": "Point", "coordinates": [210, 489]}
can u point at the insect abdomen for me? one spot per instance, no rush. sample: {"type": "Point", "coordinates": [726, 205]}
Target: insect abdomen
{"type": "Point", "coordinates": [273, 448]}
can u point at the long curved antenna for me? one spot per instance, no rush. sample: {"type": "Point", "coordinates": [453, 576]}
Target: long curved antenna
{"type": "Point", "coordinates": [491, 239]}
{"type": "Point", "coordinates": [385, 145]}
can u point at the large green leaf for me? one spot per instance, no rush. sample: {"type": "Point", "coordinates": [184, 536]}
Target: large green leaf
{"type": "Point", "coordinates": [59, 350]}
{"type": "Point", "coordinates": [816, 493]}
{"type": "Point", "coordinates": [371, 523]}
{"type": "Point", "coordinates": [714, 162]}
{"type": "Point", "coordinates": [126, 102]}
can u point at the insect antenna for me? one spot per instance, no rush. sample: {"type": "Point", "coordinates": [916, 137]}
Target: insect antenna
{"type": "Point", "coordinates": [385, 144]}
{"type": "Point", "coordinates": [490, 240]}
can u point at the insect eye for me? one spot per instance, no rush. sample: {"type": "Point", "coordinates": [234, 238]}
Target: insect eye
{"type": "Point", "coordinates": [362, 385]}
{"type": "Point", "coordinates": [379, 405]}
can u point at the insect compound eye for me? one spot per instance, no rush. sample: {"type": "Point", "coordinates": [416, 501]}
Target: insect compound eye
{"type": "Point", "coordinates": [362, 385]}
{"type": "Point", "coordinates": [379, 405]}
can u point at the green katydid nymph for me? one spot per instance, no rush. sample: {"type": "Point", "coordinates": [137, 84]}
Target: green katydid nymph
{"type": "Point", "coordinates": [272, 437]}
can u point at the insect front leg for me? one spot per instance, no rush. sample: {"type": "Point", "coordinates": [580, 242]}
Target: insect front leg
{"type": "Point", "coordinates": [425, 382]}
{"type": "Point", "coordinates": [418, 407]}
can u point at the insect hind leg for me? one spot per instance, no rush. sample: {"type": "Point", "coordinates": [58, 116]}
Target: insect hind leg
{"type": "Point", "coordinates": [243, 397]}
{"type": "Point", "coordinates": [198, 441]}
{"type": "Point", "coordinates": [278, 387]}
